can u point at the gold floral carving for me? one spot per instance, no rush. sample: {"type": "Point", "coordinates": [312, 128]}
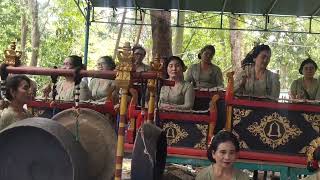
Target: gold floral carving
{"type": "Point", "coordinates": [123, 71]}
{"type": "Point", "coordinates": [312, 147]}
{"type": "Point", "coordinates": [125, 67]}
{"type": "Point", "coordinates": [11, 56]}
{"type": "Point", "coordinates": [274, 130]}
{"type": "Point", "coordinates": [238, 114]}
{"type": "Point", "coordinates": [204, 132]}
{"type": "Point", "coordinates": [35, 112]}
{"type": "Point", "coordinates": [303, 150]}
{"type": "Point", "coordinates": [242, 143]}
{"type": "Point", "coordinates": [155, 66]}
{"type": "Point", "coordinates": [174, 133]}
{"type": "Point", "coordinates": [314, 119]}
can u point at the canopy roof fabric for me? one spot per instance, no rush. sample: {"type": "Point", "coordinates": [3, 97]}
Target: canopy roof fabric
{"type": "Point", "coordinates": [262, 7]}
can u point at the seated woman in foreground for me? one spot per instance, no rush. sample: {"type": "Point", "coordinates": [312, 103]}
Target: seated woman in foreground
{"type": "Point", "coordinates": [256, 79]}
{"type": "Point", "coordinates": [100, 88]}
{"type": "Point", "coordinates": [307, 86]}
{"type": "Point", "coordinates": [222, 152]}
{"type": "Point", "coordinates": [19, 93]}
{"type": "Point", "coordinates": [181, 95]}
{"type": "Point", "coordinates": [205, 74]}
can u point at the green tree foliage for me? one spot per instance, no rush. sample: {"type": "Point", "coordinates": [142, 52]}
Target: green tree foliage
{"type": "Point", "coordinates": [9, 23]}
{"type": "Point", "coordinates": [104, 36]}
{"type": "Point", "coordinates": [62, 35]}
{"type": "Point", "coordinates": [62, 29]}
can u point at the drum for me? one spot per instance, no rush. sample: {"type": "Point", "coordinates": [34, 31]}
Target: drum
{"type": "Point", "coordinates": [97, 136]}
{"type": "Point", "coordinates": [38, 149]}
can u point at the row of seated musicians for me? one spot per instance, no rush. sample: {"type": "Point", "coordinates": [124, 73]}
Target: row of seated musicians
{"type": "Point", "coordinates": [18, 92]}
{"type": "Point", "coordinates": [255, 79]}
{"type": "Point", "coordinates": [181, 96]}
{"type": "Point", "coordinates": [18, 87]}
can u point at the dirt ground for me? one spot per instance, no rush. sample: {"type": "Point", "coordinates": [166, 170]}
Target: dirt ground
{"type": "Point", "coordinates": [172, 171]}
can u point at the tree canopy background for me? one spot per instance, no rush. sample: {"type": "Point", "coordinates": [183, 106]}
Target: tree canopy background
{"type": "Point", "coordinates": [62, 31]}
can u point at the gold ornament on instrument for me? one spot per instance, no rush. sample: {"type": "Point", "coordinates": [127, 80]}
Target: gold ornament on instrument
{"type": "Point", "coordinates": [174, 133]}
{"type": "Point", "coordinates": [230, 77]}
{"type": "Point", "coordinates": [312, 147]}
{"type": "Point", "coordinates": [238, 114]}
{"type": "Point", "coordinates": [125, 67]}
{"type": "Point", "coordinates": [213, 109]}
{"type": "Point", "coordinates": [124, 53]}
{"type": "Point", "coordinates": [229, 97]}
{"type": "Point", "coordinates": [123, 78]}
{"type": "Point", "coordinates": [11, 56]}
{"type": "Point", "coordinates": [156, 66]}
{"type": "Point", "coordinates": [242, 143]}
{"type": "Point", "coordinates": [313, 119]}
{"type": "Point", "coordinates": [204, 131]}
{"type": "Point", "coordinates": [274, 130]}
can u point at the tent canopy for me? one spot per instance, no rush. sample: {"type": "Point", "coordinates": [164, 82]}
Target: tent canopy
{"type": "Point", "coordinates": [306, 8]}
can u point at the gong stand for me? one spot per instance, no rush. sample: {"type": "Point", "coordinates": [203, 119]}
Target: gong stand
{"type": "Point", "coordinates": [143, 89]}
{"type": "Point", "coordinates": [77, 80]}
{"type": "Point", "coordinates": [4, 74]}
{"type": "Point", "coordinates": [123, 81]}
{"type": "Point", "coordinates": [156, 66]}
{"type": "Point", "coordinates": [83, 73]}
{"type": "Point", "coordinates": [157, 99]}
{"type": "Point", "coordinates": [54, 80]}
{"type": "Point", "coordinates": [108, 74]}
{"type": "Point", "coordinates": [229, 97]}
{"type": "Point", "coordinates": [131, 111]}
{"type": "Point", "coordinates": [124, 76]}
{"type": "Point", "coordinates": [213, 116]}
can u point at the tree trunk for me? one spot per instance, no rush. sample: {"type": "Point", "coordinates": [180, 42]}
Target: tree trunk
{"type": "Point", "coordinates": [179, 36]}
{"type": "Point", "coordinates": [139, 30]}
{"type": "Point", "coordinates": [24, 29]}
{"type": "Point", "coordinates": [35, 36]}
{"type": "Point", "coordinates": [161, 33]}
{"type": "Point", "coordinates": [119, 34]}
{"type": "Point", "coordinates": [236, 45]}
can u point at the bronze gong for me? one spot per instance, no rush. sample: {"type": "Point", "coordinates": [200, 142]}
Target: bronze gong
{"type": "Point", "coordinates": [40, 149]}
{"type": "Point", "coordinates": [97, 136]}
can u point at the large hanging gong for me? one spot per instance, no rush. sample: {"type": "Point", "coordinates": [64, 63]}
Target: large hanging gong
{"type": "Point", "coordinates": [40, 149]}
{"type": "Point", "coordinates": [97, 136]}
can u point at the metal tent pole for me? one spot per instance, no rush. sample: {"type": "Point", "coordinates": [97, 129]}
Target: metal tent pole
{"type": "Point", "coordinates": [86, 45]}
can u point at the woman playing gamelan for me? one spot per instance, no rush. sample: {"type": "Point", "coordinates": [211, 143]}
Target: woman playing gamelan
{"type": "Point", "coordinates": [181, 95]}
